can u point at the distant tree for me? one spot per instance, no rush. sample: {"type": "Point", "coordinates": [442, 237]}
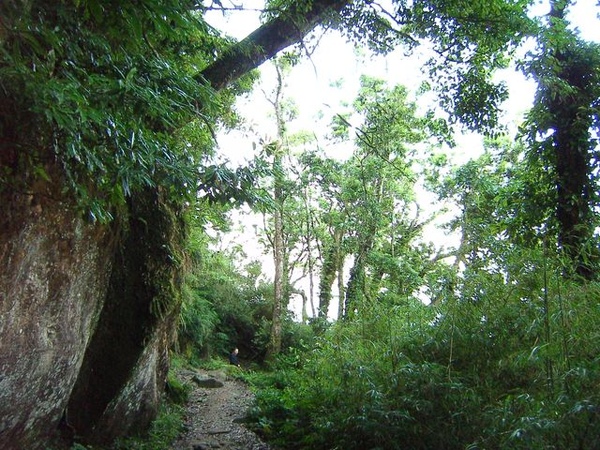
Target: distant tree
{"type": "Point", "coordinates": [275, 152]}
{"type": "Point", "coordinates": [329, 218]}
{"type": "Point", "coordinates": [379, 184]}
{"type": "Point", "coordinates": [497, 221]}
{"type": "Point", "coordinates": [367, 209]}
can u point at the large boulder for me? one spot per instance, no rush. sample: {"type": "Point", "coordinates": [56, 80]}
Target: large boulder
{"type": "Point", "coordinates": [54, 275]}
{"type": "Point", "coordinates": [125, 367]}
{"type": "Point", "coordinates": [88, 313]}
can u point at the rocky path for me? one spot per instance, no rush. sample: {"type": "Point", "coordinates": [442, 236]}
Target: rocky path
{"type": "Point", "coordinates": [215, 413]}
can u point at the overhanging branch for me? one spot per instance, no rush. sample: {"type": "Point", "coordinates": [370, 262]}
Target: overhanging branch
{"type": "Point", "coordinates": [262, 44]}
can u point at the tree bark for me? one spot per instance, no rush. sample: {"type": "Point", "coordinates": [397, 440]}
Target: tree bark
{"type": "Point", "coordinates": [340, 273]}
{"type": "Point", "coordinates": [356, 286]}
{"type": "Point", "coordinates": [278, 250]}
{"type": "Point", "coordinates": [310, 260]}
{"type": "Point", "coordinates": [327, 279]}
{"type": "Point", "coordinates": [264, 42]}
{"type": "Point", "coordinates": [277, 324]}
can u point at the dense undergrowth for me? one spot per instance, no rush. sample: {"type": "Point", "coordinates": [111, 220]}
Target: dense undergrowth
{"type": "Point", "coordinates": [497, 373]}
{"type": "Point", "coordinates": [498, 362]}
{"type": "Point", "coordinates": [505, 370]}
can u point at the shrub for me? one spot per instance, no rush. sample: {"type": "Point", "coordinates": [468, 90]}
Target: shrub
{"type": "Point", "coordinates": [512, 374]}
{"type": "Point", "coordinates": [177, 391]}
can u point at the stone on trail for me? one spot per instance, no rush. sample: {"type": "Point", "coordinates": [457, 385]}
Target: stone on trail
{"type": "Point", "coordinates": [207, 382]}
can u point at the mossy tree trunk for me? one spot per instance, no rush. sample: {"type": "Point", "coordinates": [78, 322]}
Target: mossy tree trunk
{"type": "Point", "coordinates": [571, 139]}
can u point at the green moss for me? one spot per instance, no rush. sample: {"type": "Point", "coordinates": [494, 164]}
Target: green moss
{"type": "Point", "coordinates": [177, 391]}
{"type": "Point", "coordinates": [162, 433]}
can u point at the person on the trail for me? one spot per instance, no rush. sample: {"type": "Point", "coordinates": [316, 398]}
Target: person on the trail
{"type": "Point", "coordinates": [233, 358]}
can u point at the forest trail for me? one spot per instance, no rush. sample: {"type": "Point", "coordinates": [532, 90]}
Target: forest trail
{"type": "Point", "coordinates": [214, 415]}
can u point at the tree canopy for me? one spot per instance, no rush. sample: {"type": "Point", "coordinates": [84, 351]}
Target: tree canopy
{"type": "Point", "coordinates": [129, 110]}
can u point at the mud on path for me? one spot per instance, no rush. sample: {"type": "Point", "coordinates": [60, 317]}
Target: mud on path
{"type": "Point", "coordinates": [214, 415]}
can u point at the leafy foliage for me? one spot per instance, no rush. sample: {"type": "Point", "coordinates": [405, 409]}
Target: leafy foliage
{"type": "Point", "coordinates": [507, 355]}
{"type": "Point", "coordinates": [225, 306]}
{"type": "Point", "coordinates": [162, 433]}
{"type": "Point", "coordinates": [369, 208]}
{"type": "Point", "coordinates": [218, 307]}
{"type": "Point", "coordinates": [113, 109]}
{"type": "Point", "coordinates": [472, 374]}
{"type": "Point", "coordinates": [469, 41]}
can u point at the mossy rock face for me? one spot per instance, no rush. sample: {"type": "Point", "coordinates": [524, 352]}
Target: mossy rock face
{"type": "Point", "coordinates": [126, 364]}
{"type": "Point", "coordinates": [53, 283]}
{"type": "Point", "coordinates": [88, 314]}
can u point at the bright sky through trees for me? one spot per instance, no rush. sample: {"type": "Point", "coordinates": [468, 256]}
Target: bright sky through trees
{"type": "Point", "coordinates": [335, 61]}
{"type": "Point", "coordinates": [320, 84]}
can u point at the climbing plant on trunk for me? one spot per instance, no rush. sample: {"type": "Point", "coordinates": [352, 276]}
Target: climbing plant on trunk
{"type": "Point", "coordinates": [565, 124]}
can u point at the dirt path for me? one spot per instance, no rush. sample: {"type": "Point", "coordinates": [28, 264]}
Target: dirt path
{"type": "Point", "coordinates": [214, 415]}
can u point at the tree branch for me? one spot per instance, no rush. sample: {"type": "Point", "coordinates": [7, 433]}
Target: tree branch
{"type": "Point", "coordinates": [263, 43]}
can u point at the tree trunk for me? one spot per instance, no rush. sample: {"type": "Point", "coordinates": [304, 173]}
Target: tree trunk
{"type": "Point", "coordinates": [356, 286]}
{"type": "Point", "coordinates": [276, 327]}
{"type": "Point", "coordinates": [326, 280]}
{"type": "Point", "coordinates": [340, 275]}
{"type": "Point", "coordinates": [278, 251]}
{"type": "Point", "coordinates": [571, 140]}
{"type": "Point", "coordinates": [310, 259]}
